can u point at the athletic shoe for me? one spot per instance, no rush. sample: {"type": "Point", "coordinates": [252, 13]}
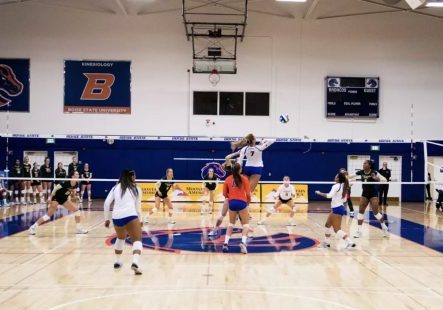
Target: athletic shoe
{"type": "Point", "coordinates": [213, 232]}
{"type": "Point", "coordinates": [324, 245]}
{"type": "Point", "coordinates": [385, 232]}
{"type": "Point", "coordinates": [172, 222]}
{"type": "Point", "coordinates": [136, 269]}
{"type": "Point", "coordinates": [81, 231]}
{"type": "Point", "coordinates": [118, 265]}
{"type": "Point", "coordinates": [290, 224]}
{"type": "Point", "coordinates": [225, 248]}
{"type": "Point", "coordinates": [358, 234]}
{"type": "Point", "coordinates": [349, 245]}
{"type": "Point", "coordinates": [351, 214]}
{"type": "Point", "coordinates": [243, 248]}
{"type": "Point", "coordinates": [262, 222]}
{"type": "Point", "coordinates": [32, 230]}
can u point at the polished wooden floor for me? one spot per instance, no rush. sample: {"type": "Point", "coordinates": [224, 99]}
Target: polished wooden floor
{"type": "Point", "coordinates": [57, 269]}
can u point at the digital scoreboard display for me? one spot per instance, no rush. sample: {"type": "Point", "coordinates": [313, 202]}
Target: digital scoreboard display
{"type": "Point", "coordinates": [350, 97]}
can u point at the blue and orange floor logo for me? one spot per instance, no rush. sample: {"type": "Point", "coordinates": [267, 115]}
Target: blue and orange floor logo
{"type": "Point", "coordinates": [199, 240]}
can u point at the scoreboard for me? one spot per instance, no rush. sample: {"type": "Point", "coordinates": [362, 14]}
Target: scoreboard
{"type": "Point", "coordinates": [352, 97]}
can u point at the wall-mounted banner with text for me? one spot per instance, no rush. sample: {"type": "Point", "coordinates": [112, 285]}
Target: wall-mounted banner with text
{"type": "Point", "coordinates": [14, 85]}
{"type": "Point", "coordinates": [93, 86]}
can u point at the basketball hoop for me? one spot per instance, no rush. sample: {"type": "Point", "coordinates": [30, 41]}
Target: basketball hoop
{"type": "Point", "coordinates": [214, 77]}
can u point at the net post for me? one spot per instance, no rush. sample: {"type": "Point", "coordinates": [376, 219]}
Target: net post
{"type": "Point", "coordinates": [425, 155]}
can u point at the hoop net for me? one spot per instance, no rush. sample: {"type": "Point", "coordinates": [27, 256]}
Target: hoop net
{"type": "Point", "coordinates": [214, 77]}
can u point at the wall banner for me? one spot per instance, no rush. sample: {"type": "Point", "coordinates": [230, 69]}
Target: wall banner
{"type": "Point", "coordinates": [97, 87]}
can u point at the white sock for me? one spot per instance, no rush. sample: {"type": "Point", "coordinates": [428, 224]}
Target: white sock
{"type": "Point", "coordinates": [78, 225]}
{"type": "Point", "coordinates": [135, 258]}
{"type": "Point", "coordinates": [118, 258]}
{"type": "Point", "coordinates": [359, 228]}
{"type": "Point", "coordinates": [384, 226]}
{"type": "Point", "coordinates": [227, 239]}
{"type": "Point", "coordinates": [327, 239]}
{"type": "Point", "coordinates": [244, 239]}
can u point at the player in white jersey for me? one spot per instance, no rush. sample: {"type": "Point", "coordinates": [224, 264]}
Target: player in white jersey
{"type": "Point", "coordinates": [126, 217]}
{"type": "Point", "coordinates": [284, 195]}
{"type": "Point", "coordinates": [254, 160]}
{"type": "Point", "coordinates": [337, 194]}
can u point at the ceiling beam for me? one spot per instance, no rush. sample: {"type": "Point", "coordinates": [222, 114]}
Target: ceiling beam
{"type": "Point", "coordinates": [284, 15]}
{"type": "Point", "coordinates": [359, 14]}
{"type": "Point", "coordinates": [311, 9]}
{"type": "Point", "coordinates": [141, 13]}
{"type": "Point", "coordinates": [122, 7]}
{"type": "Point", "coordinates": [11, 2]}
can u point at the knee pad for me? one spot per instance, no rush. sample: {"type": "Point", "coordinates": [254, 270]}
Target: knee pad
{"type": "Point", "coordinates": [245, 226]}
{"type": "Point", "coordinates": [378, 216]}
{"type": "Point", "coordinates": [46, 217]}
{"type": "Point", "coordinates": [230, 225]}
{"type": "Point", "coordinates": [16, 193]}
{"type": "Point", "coordinates": [30, 191]}
{"type": "Point", "coordinates": [341, 234]}
{"type": "Point", "coordinates": [23, 192]}
{"type": "Point", "coordinates": [119, 243]}
{"type": "Point", "coordinates": [360, 216]}
{"type": "Point", "coordinates": [77, 213]}
{"type": "Point", "coordinates": [271, 209]}
{"type": "Point", "coordinates": [137, 245]}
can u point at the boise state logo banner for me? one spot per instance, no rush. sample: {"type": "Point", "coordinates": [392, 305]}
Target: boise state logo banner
{"type": "Point", "coordinates": [97, 87]}
{"type": "Point", "coordinates": [199, 240]}
{"type": "Point", "coordinates": [14, 85]}
{"type": "Point", "coordinates": [219, 172]}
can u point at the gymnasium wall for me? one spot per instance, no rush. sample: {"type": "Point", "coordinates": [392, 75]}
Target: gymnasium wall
{"type": "Point", "coordinates": [286, 57]}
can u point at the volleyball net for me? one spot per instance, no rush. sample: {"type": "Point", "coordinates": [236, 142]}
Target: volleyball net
{"type": "Point", "coordinates": [311, 164]}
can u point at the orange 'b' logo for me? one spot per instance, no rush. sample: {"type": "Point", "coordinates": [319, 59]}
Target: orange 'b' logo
{"type": "Point", "coordinates": [98, 86]}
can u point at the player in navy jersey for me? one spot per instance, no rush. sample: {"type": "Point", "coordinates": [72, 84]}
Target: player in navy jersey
{"type": "Point", "coordinates": [369, 196]}
{"type": "Point", "coordinates": [161, 193]}
{"type": "Point", "coordinates": [27, 183]}
{"type": "Point", "coordinates": [209, 190]}
{"type": "Point", "coordinates": [61, 195]}
{"type": "Point", "coordinates": [46, 173]}
{"type": "Point", "coordinates": [60, 173]}
{"type": "Point", "coordinates": [16, 186]}
{"type": "Point", "coordinates": [85, 184]}
{"type": "Point", "coordinates": [36, 184]}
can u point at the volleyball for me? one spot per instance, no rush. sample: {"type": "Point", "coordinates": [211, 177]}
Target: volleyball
{"type": "Point", "coordinates": [284, 118]}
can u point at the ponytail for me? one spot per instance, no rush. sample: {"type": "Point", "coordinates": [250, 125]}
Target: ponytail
{"type": "Point", "coordinates": [342, 179]}
{"type": "Point", "coordinates": [236, 174]}
{"type": "Point", "coordinates": [243, 142]}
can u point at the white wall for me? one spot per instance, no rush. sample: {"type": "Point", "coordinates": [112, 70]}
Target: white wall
{"type": "Point", "coordinates": [289, 58]}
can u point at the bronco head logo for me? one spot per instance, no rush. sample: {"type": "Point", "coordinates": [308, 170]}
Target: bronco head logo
{"type": "Point", "coordinates": [219, 172]}
{"type": "Point", "coordinates": [9, 84]}
{"type": "Point", "coordinates": [198, 240]}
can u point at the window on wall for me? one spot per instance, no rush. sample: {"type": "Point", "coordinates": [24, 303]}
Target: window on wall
{"type": "Point", "coordinates": [257, 104]}
{"type": "Point", "coordinates": [205, 102]}
{"type": "Point", "coordinates": [231, 103]}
